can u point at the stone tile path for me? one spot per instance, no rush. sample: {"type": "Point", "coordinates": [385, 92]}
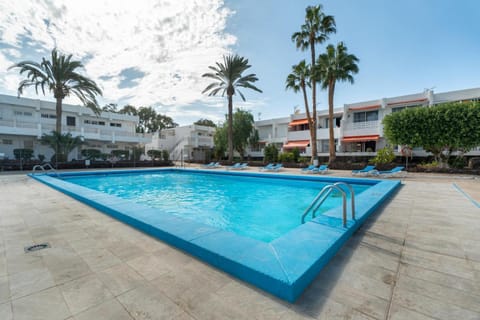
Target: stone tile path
{"type": "Point", "coordinates": [418, 257]}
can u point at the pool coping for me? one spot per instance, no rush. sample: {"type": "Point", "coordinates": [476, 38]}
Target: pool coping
{"type": "Point", "coordinates": [284, 267]}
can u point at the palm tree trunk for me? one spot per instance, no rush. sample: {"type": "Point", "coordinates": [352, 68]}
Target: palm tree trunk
{"type": "Point", "coordinates": [311, 125]}
{"type": "Point", "coordinates": [58, 123]}
{"type": "Point", "coordinates": [230, 128]}
{"type": "Point", "coordinates": [314, 102]}
{"type": "Point", "coordinates": [331, 144]}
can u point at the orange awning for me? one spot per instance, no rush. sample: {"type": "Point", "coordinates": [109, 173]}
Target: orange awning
{"type": "Point", "coordinates": [361, 138]}
{"type": "Point", "coordinates": [296, 144]}
{"type": "Point", "coordinates": [408, 101]}
{"type": "Point", "coordinates": [362, 108]}
{"type": "Point", "coordinates": [298, 122]}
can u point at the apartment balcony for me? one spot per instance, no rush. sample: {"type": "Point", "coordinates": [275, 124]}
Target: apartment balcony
{"type": "Point", "coordinates": [363, 128]}
{"type": "Point", "coordinates": [24, 128]}
{"type": "Point", "coordinates": [324, 133]}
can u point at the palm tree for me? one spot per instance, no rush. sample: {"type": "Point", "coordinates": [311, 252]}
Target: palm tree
{"type": "Point", "coordinates": [315, 30]}
{"type": "Point", "coordinates": [228, 78]}
{"type": "Point", "coordinates": [62, 144]}
{"type": "Point", "coordinates": [58, 75]}
{"type": "Point", "coordinates": [332, 66]}
{"type": "Point", "coordinates": [299, 80]}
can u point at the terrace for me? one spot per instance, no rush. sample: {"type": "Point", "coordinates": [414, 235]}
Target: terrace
{"type": "Point", "coordinates": [416, 258]}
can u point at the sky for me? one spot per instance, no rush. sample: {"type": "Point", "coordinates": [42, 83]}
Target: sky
{"type": "Point", "coordinates": [154, 52]}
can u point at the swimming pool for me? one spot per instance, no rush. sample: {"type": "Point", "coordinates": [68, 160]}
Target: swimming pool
{"type": "Point", "coordinates": [258, 208]}
{"type": "Point", "coordinates": [282, 261]}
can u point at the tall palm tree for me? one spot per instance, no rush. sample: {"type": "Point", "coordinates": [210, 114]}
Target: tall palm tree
{"type": "Point", "coordinates": [297, 81]}
{"type": "Point", "coordinates": [316, 29]}
{"type": "Point", "coordinates": [228, 79]}
{"type": "Point", "coordinates": [332, 66]}
{"type": "Point", "coordinates": [58, 75]}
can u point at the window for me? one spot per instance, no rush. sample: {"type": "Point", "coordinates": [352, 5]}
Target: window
{"type": "Point", "coordinates": [114, 124]}
{"type": "Point", "coordinates": [28, 144]}
{"type": "Point", "coordinates": [112, 146]}
{"type": "Point", "coordinates": [71, 121]}
{"type": "Point", "coordinates": [94, 122]}
{"type": "Point", "coordinates": [365, 116]}
{"type": "Point", "coordinates": [23, 113]}
{"type": "Point", "coordinates": [336, 121]}
{"type": "Point", "coordinates": [48, 116]}
{"type": "Point", "coordinates": [7, 141]}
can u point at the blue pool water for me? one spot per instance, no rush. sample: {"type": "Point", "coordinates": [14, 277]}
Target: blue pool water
{"type": "Point", "coordinates": [262, 209]}
{"type": "Point", "coordinates": [244, 223]}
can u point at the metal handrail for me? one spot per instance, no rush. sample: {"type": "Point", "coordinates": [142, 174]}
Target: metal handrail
{"type": "Point", "coordinates": [44, 167]}
{"type": "Point", "coordinates": [323, 195]}
{"type": "Point", "coordinates": [352, 194]}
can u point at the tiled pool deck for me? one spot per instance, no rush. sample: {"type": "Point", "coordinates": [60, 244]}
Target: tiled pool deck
{"type": "Point", "coordinates": [418, 257]}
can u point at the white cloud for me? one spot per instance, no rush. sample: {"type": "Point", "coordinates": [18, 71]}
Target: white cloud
{"type": "Point", "coordinates": [170, 42]}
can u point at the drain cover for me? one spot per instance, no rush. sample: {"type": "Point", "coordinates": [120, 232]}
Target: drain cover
{"type": "Point", "coordinates": [37, 247]}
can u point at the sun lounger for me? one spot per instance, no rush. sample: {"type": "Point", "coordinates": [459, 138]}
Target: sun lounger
{"type": "Point", "coordinates": [238, 166]}
{"type": "Point", "coordinates": [211, 165]}
{"type": "Point", "coordinates": [363, 172]}
{"type": "Point", "coordinates": [272, 167]}
{"type": "Point", "coordinates": [308, 169]}
{"type": "Point", "coordinates": [395, 172]}
{"type": "Point", "coordinates": [321, 170]}
{"type": "Point", "coordinates": [267, 167]}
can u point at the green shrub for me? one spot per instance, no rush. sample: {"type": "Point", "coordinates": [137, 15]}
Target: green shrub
{"type": "Point", "coordinates": [296, 154]}
{"type": "Point", "coordinates": [121, 154]}
{"type": "Point", "coordinates": [165, 155]}
{"type": "Point", "coordinates": [23, 154]}
{"type": "Point", "coordinates": [286, 157]}
{"type": "Point", "coordinates": [270, 153]}
{"type": "Point", "coordinates": [91, 154]}
{"type": "Point", "coordinates": [154, 154]}
{"type": "Point", "coordinates": [457, 162]}
{"type": "Point", "coordinates": [383, 156]}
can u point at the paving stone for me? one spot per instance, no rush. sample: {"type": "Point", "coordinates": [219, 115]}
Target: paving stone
{"type": "Point", "coordinates": [147, 302]}
{"type": "Point", "coordinates": [120, 278]}
{"type": "Point", "coordinates": [107, 310]}
{"type": "Point", "coordinates": [46, 304]}
{"type": "Point", "coordinates": [84, 293]}
{"type": "Point", "coordinates": [28, 282]}
{"type": "Point", "coordinates": [6, 311]}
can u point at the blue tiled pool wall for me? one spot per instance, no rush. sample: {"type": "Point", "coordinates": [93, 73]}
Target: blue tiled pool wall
{"type": "Point", "coordinates": [284, 267]}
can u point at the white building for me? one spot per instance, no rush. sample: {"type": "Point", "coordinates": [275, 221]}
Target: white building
{"type": "Point", "coordinates": [23, 122]}
{"type": "Point", "coordinates": [192, 143]}
{"type": "Point", "coordinates": [358, 126]}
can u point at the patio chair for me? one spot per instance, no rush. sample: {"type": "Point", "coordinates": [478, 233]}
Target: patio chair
{"type": "Point", "coordinates": [395, 172]}
{"type": "Point", "coordinates": [363, 172]}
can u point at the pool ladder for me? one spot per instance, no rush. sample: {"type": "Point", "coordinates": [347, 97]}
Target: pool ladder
{"type": "Point", "coordinates": [44, 167]}
{"type": "Point", "coordinates": [323, 195]}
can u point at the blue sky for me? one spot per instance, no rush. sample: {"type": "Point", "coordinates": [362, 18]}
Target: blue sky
{"type": "Point", "coordinates": [154, 52]}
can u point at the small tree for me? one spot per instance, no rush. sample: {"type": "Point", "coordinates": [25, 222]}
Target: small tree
{"type": "Point", "coordinates": [220, 140]}
{"type": "Point", "coordinates": [384, 156]}
{"type": "Point", "coordinates": [440, 129]}
{"type": "Point", "coordinates": [206, 123]}
{"type": "Point", "coordinates": [23, 154]}
{"type": "Point", "coordinates": [62, 144]}
{"type": "Point", "coordinates": [243, 128]}
{"type": "Point", "coordinates": [270, 153]}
